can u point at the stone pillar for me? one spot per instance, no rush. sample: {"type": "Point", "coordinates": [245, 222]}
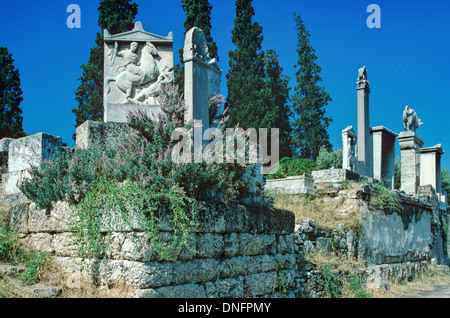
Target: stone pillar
{"type": "Point", "coordinates": [383, 155]}
{"type": "Point", "coordinates": [201, 77]}
{"type": "Point", "coordinates": [365, 167]}
{"type": "Point", "coordinates": [410, 144]}
{"type": "Point", "coordinates": [430, 167]}
{"type": "Point", "coordinates": [349, 140]}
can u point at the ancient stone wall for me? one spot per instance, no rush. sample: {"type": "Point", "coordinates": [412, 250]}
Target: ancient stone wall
{"type": "Point", "coordinates": [236, 251]}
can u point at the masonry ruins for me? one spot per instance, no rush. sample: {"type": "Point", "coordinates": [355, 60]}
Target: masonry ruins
{"type": "Point", "coordinates": [243, 247]}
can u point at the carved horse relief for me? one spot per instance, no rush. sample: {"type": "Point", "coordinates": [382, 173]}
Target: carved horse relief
{"type": "Point", "coordinates": [132, 72]}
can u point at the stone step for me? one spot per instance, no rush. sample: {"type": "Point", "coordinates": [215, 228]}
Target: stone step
{"type": "Point", "coordinates": [10, 270]}
{"type": "Point", "coordinates": [42, 291]}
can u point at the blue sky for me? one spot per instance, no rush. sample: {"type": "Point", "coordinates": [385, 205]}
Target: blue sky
{"type": "Point", "coordinates": [408, 58]}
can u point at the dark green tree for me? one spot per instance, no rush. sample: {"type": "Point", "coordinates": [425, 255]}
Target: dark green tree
{"type": "Point", "coordinates": [445, 180]}
{"type": "Point", "coordinates": [278, 85]}
{"type": "Point", "coordinates": [116, 16]}
{"type": "Point", "coordinates": [198, 14]}
{"type": "Point", "coordinates": [10, 97]}
{"type": "Point", "coordinates": [309, 100]}
{"type": "Point", "coordinates": [248, 97]}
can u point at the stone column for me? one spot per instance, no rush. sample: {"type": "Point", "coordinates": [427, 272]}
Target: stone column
{"type": "Point", "coordinates": [383, 155]}
{"type": "Point", "coordinates": [365, 166]}
{"type": "Point", "coordinates": [410, 144]}
{"type": "Point", "coordinates": [201, 77]}
{"type": "Point", "coordinates": [430, 167]}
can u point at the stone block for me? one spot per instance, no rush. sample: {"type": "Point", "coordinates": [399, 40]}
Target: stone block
{"type": "Point", "coordinates": [260, 284]}
{"type": "Point", "coordinates": [195, 271]}
{"type": "Point", "coordinates": [92, 133]}
{"type": "Point", "coordinates": [182, 291]}
{"type": "Point", "coordinates": [303, 184]}
{"type": "Point", "coordinates": [4, 144]}
{"type": "Point", "coordinates": [30, 151]}
{"type": "Point", "coordinates": [118, 113]}
{"type": "Point", "coordinates": [12, 180]}
{"type": "Point", "coordinates": [225, 288]}
{"type": "Point", "coordinates": [57, 220]}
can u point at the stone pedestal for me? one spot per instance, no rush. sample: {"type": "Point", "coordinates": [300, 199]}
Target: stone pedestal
{"type": "Point", "coordinates": [410, 144]}
{"type": "Point", "coordinates": [383, 155]}
{"type": "Point", "coordinates": [430, 167]}
{"type": "Point", "coordinates": [118, 113]}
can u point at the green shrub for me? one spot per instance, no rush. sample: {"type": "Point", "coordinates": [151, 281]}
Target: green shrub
{"type": "Point", "coordinates": [293, 167]}
{"type": "Point", "coordinates": [329, 159]}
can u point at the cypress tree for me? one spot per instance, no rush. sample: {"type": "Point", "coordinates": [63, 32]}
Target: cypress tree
{"type": "Point", "coordinates": [248, 96]}
{"type": "Point", "coordinates": [198, 14]}
{"type": "Point", "coordinates": [278, 85]}
{"type": "Point", "coordinates": [309, 100]}
{"type": "Point", "coordinates": [10, 97]}
{"type": "Point", "coordinates": [116, 16]}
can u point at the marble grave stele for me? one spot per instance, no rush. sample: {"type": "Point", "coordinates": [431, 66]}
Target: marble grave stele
{"type": "Point", "coordinates": [136, 64]}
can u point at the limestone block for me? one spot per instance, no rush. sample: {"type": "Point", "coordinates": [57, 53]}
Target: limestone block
{"type": "Point", "coordinates": [118, 113]}
{"type": "Point", "coordinates": [260, 284]}
{"type": "Point", "coordinates": [137, 274]}
{"type": "Point", "coordinates": [59, 219]}
{"type": "Point", "coordinates": [40, 241]}
{"type": "Point", "coordinates": [18, 218]}
{"type": "Point", "coordinates": [225, 288]}
{"type": "Point", "coordinates": [303, 184]}
{"type": "Point", "coordinates": [12, 180]}
{"type": "Point", "coordinates": [63, 244]}
{"type": "Point", "coordinates": [30, 151]}
{"type": "Point", "coordinates": [210, 245]}
{"type": "Point", "coordinates": [91, 133]}
{"type": "Point", "coordinates": [4, 149]}
{"type": "Point", "coordinates": [239, 265]}
{"type": "Point", "coordinates": [195, 271]}
{"type": "Point", "coordinates": [4, 144]}
{"type": "Point", "coordinates": [182, 291]}
{"type": "Point", "coordinates": [256, 244]}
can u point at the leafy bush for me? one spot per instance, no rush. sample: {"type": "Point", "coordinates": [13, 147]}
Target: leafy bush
{"type": "Point", "coordinates": [329, 159]}
{"type": "Point", "coordinates": [293, 167]}
{"type": "Point", "coordinates": [445, 180]}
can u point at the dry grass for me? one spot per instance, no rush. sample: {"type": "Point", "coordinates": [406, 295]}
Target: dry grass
{"type": "Point", "coordinates": [425, 283]}
{"type": "Point", "coordinates": [326, 212]}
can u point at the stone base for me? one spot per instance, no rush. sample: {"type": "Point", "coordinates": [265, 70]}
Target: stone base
{"type": "Point", "coordinates": [334, 175]}
{"type": "Point", "coordinates": [118, 113]}
{"type": "Point", "coordinates": [92, 133]}
{"type": "Point", "coordinates": [303, 184]}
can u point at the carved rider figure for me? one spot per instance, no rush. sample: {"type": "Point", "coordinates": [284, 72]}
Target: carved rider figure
{"type": "Point", "coordinates": [130, 59]}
